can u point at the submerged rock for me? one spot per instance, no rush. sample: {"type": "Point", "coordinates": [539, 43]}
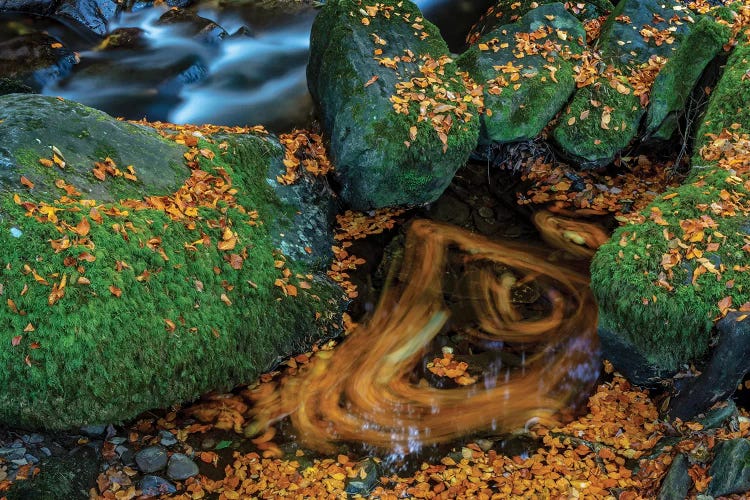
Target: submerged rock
{"type": "Point", "coordinates": [525, 88]}
{"type": "Point", "coordinates": [193, 25]}
{"type": "Point", "coordinates": [33, 60]}
{"type": "Point", "coordinates": [604, 115]}
{"type": "Point", "coordinates": [133, 274]}
{"type": "Point", "coordinates": [394, 106]}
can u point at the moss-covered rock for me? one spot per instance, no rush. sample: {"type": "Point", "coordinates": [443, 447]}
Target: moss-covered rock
{"type": "Point", "coordinates": [394, 106]}
{"type": "Point", "coordinates": [525, 86]}
{"type": "Point", "coordinates": [126, 288]}
{"type": "Point", "coordinates": [663, 282]}
{"type": "Point", "coordinates": [604, 115]}
{"type": "Point", "coordinates": [680, 75]}
{"type": "Point", "coordinates": [510, 11]}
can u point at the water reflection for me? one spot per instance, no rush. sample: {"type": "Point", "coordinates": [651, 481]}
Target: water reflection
{"type": "Point", "coordinates": [537, 319]}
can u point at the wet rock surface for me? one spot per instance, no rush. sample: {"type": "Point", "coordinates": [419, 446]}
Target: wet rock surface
{"type": "Point", "coordinates": [363, 86]}
{"type": "Point", "coordinates": [33, 60]}
{"type": "Point", "coordinates": [524, 89]}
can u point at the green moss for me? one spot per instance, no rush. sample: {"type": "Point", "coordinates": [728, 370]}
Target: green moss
{"type": "Point", "coordinates": [367, 136]}
{"type": "Point", "coordinates": [521, 110]}
{"type": "Point", "coordinates": [679, 76]}
{"type": "Point", "coordinates": [585, 139]}
{"type": "Point", "coordinates": [675, 328]}
{"type": "Point", "coordinates": [105, 359]}
{"type": "Point", "coordinates": [730, 100]}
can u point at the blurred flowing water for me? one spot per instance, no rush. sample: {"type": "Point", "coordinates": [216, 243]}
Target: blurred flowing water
{"type": "Point", "coordinates": [250, 70]}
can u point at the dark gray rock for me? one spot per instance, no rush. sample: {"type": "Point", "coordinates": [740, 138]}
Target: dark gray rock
{"type": "Point", "coordinates": [90, 14]}
{"type": "Point", "coordinates": [154, 486]}
{"type": "Point", "coordinates": [181, 467]}
{"type": "Point", "coordinates": [34, 60]}
{"type": "Point", "coordinates": [151, 459]}
{"type": "Point", "coordinates": [383, 155]}
{"type": "Point", "coordinates": [364, 486]}
{"type": "Point", "coordinates": [193, 25]}
{"type": "Point", "coordinates": [628, 360]}
{"type": "Point", "coordinates": [94, 430]}
{"type": "Point", "coordinates": [730, 470]}
{"type": "Point", "coordinates": [726, 368]}
{"type": "Point", "coordinates": [167, 438]}
{"type": "Point", "coordinates": [677, 482]}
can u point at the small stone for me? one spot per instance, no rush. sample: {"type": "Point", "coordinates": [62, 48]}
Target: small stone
{"type": "Point", "coordinates": [730, 470]}
{"type": "Point", "coordinates": [117, 440]}
{"type": "Point", "coordinates": [151, 459]}
{"type": "Point", "coordinates": [3, 474]}
{"type": "Point", "coordinates": [156, 486]}
{"type": "Point", "coordinates": [46, 451]}
{"type": "Point", "coordinates": [31, 458]}
{"type": "Point", "coordinates": [364, 486]}
{"type": "Point", "coordinates": [33, 438]}
{"type": "Point", "coordinates": [486, 212]}
{"type": "Point", "coordinates": [181, 467]}
{"type": "Point", "coordinates": [485, 444]}
{"type": "Point", "coordinates": [208, 443]}
{"type": "Point", "coordinates": [20, 462]}
{"type": "Point", "coordinates": [94, 430]}
{"type": "Point", "coordinates": [167, 438]}
{"type": "Point", "coordinates": [15, 232]}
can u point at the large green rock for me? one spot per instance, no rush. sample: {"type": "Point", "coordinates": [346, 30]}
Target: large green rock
{"type": "Point", "coordinates": [393, 105]}
{"type": "Point", "coordinates": [659, 283]}
{"type": "Point", "coordinates": [144, 292]}
{"type": "Point", "coordinates": [680, 75]}
{"type": "Point", "coordinates": [525, 88]}
{"type": "Point", "coordinates": [604, 116]}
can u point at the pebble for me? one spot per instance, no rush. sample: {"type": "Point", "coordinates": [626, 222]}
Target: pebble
{"type": "Point", "coordinates": [181, 467]}
{"type": "Point", "coordinates": [167, 438]}
{"type": "Point", "coordinates": [33, 438]}
{"type": "Point", "coordinates": [156, 486]}
{"type": "Point", "coordinates": [46, 451]}
{"type": "Point", "coordinates": [151, 459]}
{"type": "Point", "coordinates": [117, 440]}
{"type": "Point", "coordinates": [94, 430]}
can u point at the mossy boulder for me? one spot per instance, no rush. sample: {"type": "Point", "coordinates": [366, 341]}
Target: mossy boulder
{"type": "Point", "coordinates": [525, 87]}
{"type": "Point", "coordinates": [510, 11]}
{"type": "Point", "coordinates": [679, 76]}
{"type": "Point", "coordinates": [663, 282]}
{"type": "Point", "coordinates": [394, 106]}
{"type": "Point", "coordinates": [145, 280]}
{"type": "Point", "coordinates": [605, 114]}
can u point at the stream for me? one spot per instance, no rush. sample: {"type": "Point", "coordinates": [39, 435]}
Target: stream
{"type": "Point", "coordinates": [248, 68]}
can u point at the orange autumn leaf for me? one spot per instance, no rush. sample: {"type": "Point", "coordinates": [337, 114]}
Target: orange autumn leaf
{"type": "Point", "coordinates": [169, 325]}
{"type": "Point", "coordinates": [16, 340]}
{"type": "Point", "coordinates": [26, 182]}
{"type": "Point", "coordinates": [117, 292]}
{"type": "Point", "coordinates": [29, 328]}
{"type": "Point", "coordinates": [83, 227]}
